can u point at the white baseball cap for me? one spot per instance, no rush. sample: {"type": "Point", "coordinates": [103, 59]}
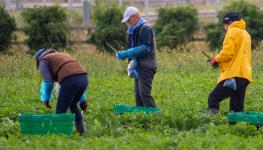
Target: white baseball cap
{"type": "Point", "coordinates": [129, 12]}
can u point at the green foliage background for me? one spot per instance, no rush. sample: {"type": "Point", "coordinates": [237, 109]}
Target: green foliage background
{"type": "Point", "coordinates": [45, 27]}
{"type": "Point", "coordinates": [248, 12]}
{"type": "Point", "coordinates": [108, 27]}
{"type": "Point", "coordinates": [180, 89]}
{"type": "Point", "coordinates": [7, 26]}
{"type": "Point", "coordinates": [175, 26]}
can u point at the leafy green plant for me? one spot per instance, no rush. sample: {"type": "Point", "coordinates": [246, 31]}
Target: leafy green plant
{"type": "Point", "coordinates": [214, 35]}
{"type": "Point", "coordinates": [45, 27]}
{"type": "Point", "coordinates": [108, 27]}
{"type": "Point", "coordinates": [175, 26]}
{"type": "Point", "coordinates": [7, 27]}
{"type": "Point", "coordinates": [180, 90]}
{"type": "Point", "coordinates": [249, 12]}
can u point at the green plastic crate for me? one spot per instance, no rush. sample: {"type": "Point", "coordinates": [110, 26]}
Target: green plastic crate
{"type": "Point", "coordinates": [39, 124]}
{"type": "Point", "coordinates": [120, 109]}
{"type": "Point", "coordinates": [255, 118]}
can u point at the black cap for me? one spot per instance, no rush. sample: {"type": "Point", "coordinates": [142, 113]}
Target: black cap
{"type": "Point", "coordinates": [231, 17]}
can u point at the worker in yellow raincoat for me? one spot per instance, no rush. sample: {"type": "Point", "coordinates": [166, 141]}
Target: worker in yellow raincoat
{"type": "Point", "coordinates": [234, 62]}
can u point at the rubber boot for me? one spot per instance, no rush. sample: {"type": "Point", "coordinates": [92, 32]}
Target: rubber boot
{"type": "Point", "coordinates": [211, 111]}
{"type": "Point", "coordinates": [80, 127]}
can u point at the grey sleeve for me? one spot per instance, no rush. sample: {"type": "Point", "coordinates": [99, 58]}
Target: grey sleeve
{"type": "Point", "coordinates": [45, 71]}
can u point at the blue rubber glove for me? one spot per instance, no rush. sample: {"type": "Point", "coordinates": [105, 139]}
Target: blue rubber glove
{"type": "Point", "coordinates": [83, 97]}
{"type": "Point", "coordinates": [82, 101]}
{"type": "Point", "coordinates": [138, 51]}
{"type": "Point", "coordinates": [133, 53]}
{"type": "Point", "coordinates": [46, 91]}
{"type": "Point", "coordinates": [122, 55]}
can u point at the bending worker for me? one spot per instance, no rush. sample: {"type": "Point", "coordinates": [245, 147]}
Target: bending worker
{"type": "Point", "coordinates": [62, 68]}
{"type": "Point", "coordinates": [141, 55]}
{"type": "Point", "coordinates": [235, 65]}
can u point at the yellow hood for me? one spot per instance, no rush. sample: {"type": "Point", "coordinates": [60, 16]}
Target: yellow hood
{"type": "Point", "coordinates": [238, 24]}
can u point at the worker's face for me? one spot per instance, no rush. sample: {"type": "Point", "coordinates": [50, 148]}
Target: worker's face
{"type": "Point", "coordinates": [132, 20]}
{"type": "Point", "coordinates": [226, 25]}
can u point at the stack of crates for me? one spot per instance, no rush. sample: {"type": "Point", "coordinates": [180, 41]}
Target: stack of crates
{"type": "Point", "coordinates": [255, 118]}
{"type": "Point", "coordinates": [39, 124]}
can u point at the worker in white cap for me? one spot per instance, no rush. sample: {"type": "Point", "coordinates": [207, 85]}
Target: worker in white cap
{"type": "Point", "coordinates": [141, 54]}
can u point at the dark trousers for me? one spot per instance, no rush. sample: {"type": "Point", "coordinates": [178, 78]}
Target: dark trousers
{"type": "Point", "coordinates": [71, 89]}
{"type": "Point", "coordinates": [237, 96]}
{"type": "Point", "coordinates": [143, 88]}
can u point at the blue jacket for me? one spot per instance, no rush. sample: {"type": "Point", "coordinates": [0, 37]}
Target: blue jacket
{"type": "Point", "coordinates": [142, 36]}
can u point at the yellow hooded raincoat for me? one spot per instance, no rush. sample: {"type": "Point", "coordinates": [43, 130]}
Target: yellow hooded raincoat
{"type": "Point", "coordinates": [235, 57]}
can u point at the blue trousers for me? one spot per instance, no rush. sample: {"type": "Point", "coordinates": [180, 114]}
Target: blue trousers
{"type": "Point", "coordinates": [71, 89]}
{"type": "Point", "coordinates": [143, 88]}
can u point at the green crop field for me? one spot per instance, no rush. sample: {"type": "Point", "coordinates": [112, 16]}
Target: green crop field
{"type": "Point", "coordinates": [181, 87]}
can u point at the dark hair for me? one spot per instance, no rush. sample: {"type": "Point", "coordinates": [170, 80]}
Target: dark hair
{"type": "Point", "coordinates": [231, 17]}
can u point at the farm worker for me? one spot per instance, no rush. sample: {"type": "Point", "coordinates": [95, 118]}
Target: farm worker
{"type": "Point", "coordinates": [235, 65]}
{"type": "Point", "coordinates": [141, 54]}
{"type": "Point", "coordinates": [62, 68]}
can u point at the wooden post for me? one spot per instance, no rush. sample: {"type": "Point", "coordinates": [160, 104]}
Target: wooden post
{"type": "Point", "coordinates": [70, 4]}
{"type": "Point", "coordinates": [18, 4]}
{"type": "Point", "coordinates": [7, 4]}
{"type": "Point", "coordinates": [216, 8]}
{"type": "Point", "coordinates": [146, 6]}
{"type": "Point", "coordinates": [120, 2]}
{"type": "Point", "coordinates": [44, 2]}
{"type": "Point", "coordinates": [86, 13]}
